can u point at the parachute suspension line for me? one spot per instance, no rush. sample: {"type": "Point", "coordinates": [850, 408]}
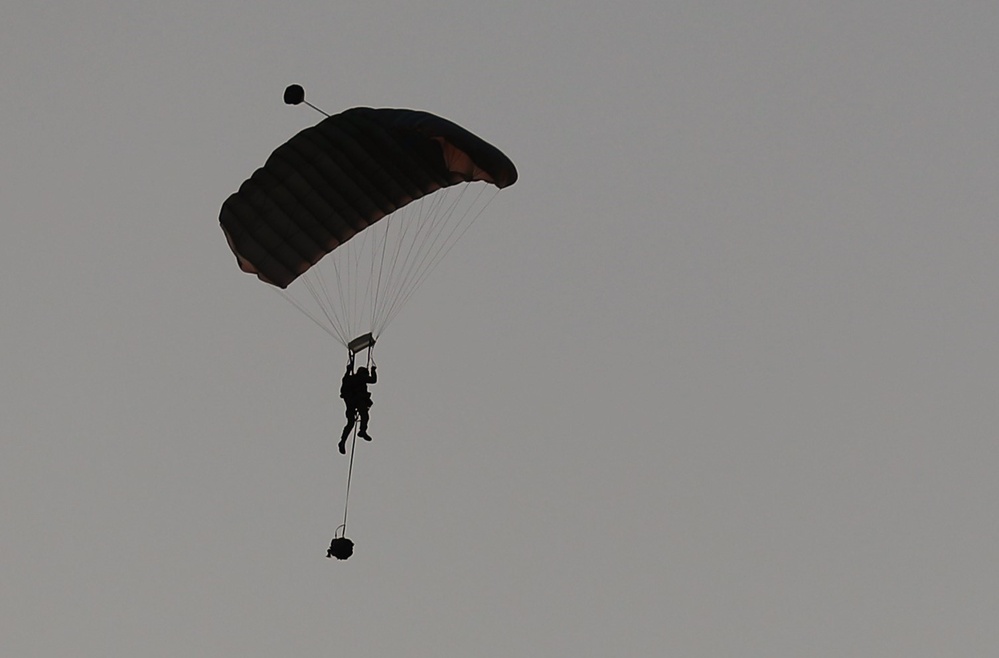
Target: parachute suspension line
{"type": "Point", "coordinates": [326, 301]}
{"type": "Point", "coordinates": [354, 285]}
{"type": "Point", "coordinates": [439, 235]}
{"type": "Point", "coordinates": [364, 271]}
{"type": "Point", "coordinates": [354, 263]}
{"type": "Point", "coordinates": [317, 289]}
{"type": "Point", "coordinates": [378, 265]}
{"type": "Point", "coordinates": [370, 289]}
{"type": "Point", "coordinates": [423, 226]}
{"type": "Point", "coordinates": [362, 285]}
{"type": "Point", "coordinates": [444, 247]}
{"type": "Point", "coordinates": [429, 229]}
{"type": "Point", "coordinates": [390, 287]}
{"type": "Point", "coordinates": [353, 443]}
{"type": "Point", "coordinates": [338, 308]}
{"type": "Point", "coordinates": [340, 296]}
{"type": "Point", "coordinates": [304, 311]}
{"type": "Point", "coordinates": [429, 217]}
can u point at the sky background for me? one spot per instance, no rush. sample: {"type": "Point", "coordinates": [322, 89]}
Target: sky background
{"type": "Point", "coordinates": [716, 377]}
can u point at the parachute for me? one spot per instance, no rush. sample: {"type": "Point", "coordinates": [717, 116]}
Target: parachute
{"type": "Point", "coordinates": [358, 209]}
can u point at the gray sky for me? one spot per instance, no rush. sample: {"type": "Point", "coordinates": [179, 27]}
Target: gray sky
{"type": "Point", "coordinates": [717, 377]}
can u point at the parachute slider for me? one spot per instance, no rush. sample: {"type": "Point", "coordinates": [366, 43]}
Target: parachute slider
{"type": "Point", "coordinates": [360, 343]}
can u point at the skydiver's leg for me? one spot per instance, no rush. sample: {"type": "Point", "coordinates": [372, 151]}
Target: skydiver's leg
{"type": "Point", "coordinates": [346, 430]}
{"type": "Point", "coordinates": [351, 414]}
{"type": "Point", "coordinates": [363, 411]}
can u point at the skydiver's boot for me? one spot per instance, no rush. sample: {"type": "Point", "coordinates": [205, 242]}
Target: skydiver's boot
{"type": "Point", "coordinates": [343, 445]}
{"type": "Point", "coordinates": [364, 435]}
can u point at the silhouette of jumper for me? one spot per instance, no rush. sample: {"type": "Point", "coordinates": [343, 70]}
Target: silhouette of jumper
{"type": "Point", "coordinates": [354, 391]}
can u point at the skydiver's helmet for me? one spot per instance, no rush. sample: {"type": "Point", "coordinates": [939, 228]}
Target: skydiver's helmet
{"type": "Point", "coordinates": [341, 548]}
{"type": "Point", "coordinates": [362, 371]}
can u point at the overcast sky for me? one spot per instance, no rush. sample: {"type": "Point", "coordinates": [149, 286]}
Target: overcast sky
{"type": "Point", "coordinates": [716, 377]}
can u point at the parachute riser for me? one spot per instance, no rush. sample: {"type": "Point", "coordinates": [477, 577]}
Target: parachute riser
{"type": "Point", "coordinates": [358, 345]}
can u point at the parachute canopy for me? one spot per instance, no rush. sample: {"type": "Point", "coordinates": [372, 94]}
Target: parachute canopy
{"type": "Point", "coordinates": [334, 180]}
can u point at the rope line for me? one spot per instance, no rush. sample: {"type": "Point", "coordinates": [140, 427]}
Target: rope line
{"type": "Point", "coordinates": [350, 472]}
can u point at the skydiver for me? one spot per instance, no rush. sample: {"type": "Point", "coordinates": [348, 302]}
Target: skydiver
{"type": "Point", "coordinates": [354, 391]}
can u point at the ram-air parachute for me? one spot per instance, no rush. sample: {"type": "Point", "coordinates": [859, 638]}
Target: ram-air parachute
{"type": "Point", "coordinates": [358, 209]}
